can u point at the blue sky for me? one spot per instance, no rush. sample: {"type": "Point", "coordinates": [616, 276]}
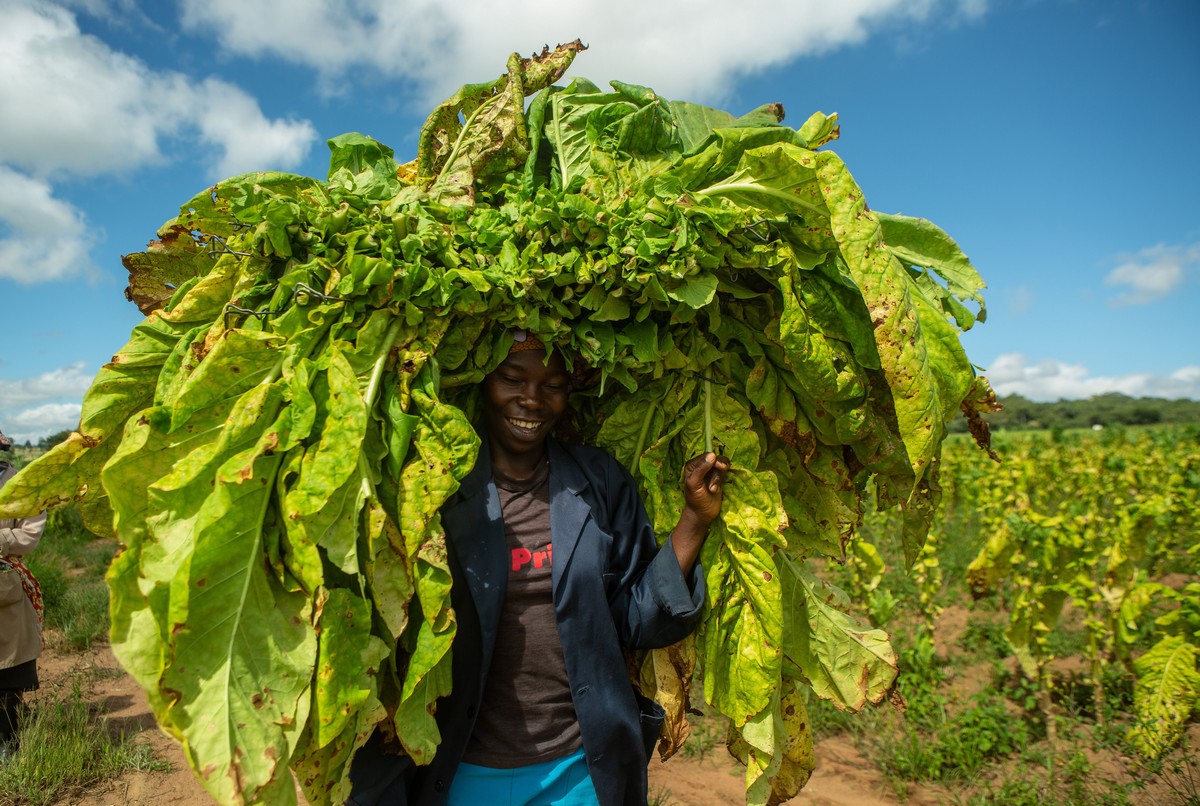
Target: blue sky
{"type": "Point", "coordinates": [1055, 140]}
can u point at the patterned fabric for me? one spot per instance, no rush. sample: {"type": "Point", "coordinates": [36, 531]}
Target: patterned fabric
{"type": "Point", "coordinates": [524, 340]}
{"type": "Point", "coordinates": [29, 582]}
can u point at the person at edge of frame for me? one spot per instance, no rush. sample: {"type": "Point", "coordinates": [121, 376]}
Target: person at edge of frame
{"type": "Point", "coordinates": [556, 572]}
{"type": "Point", "coordinates": [20, 613]}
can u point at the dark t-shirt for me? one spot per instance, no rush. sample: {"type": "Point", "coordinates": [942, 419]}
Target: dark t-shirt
{"type": "Point", "coordinates": [527, 715]}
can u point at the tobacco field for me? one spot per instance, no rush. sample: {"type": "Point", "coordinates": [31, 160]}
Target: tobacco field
{"type": "Point", "coordinates": [1049, 632]}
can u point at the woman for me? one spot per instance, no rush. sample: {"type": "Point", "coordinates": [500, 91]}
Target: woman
{"type": "Point", "coordinates": [20, 613]}
{"type": "Point", "coordinates": [557, 571]}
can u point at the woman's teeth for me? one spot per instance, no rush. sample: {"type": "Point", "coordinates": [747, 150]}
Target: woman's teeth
{"type": "Point", "coordinates": [526, 424]}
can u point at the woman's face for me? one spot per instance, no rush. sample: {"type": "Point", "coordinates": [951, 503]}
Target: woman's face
{"type": "Point", "coordinates": [523, 399]}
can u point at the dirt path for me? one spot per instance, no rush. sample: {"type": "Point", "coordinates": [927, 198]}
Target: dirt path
{"type": "Point", "coordinates": [842, 777]}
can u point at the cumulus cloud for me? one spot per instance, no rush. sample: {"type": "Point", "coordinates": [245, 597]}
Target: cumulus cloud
{"type": "Point", "coordinates": [1049, 380]}
{"type": "Point", "coordinates": [30, 425]}
{"type": "Point", "coordinates": [72, 106]}
{"type": "Point", "coordinates": [47, 238]}
{"type": "Point", "coordinates": [680, 48]}
{"type": "Point", "coordinates": [32, 408]}
{"type": "Point", "coordinates": [1152, 273]}
{"type": "Point", "coordinates": [65, 382]}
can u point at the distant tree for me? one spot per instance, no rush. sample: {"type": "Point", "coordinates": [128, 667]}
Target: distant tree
{"type": "Point", "coordinates": [1111, 409]}
{"type": "Point", "coordinates": [46, 443]}
{"type": "Point", "coordinates": [1143, 415]}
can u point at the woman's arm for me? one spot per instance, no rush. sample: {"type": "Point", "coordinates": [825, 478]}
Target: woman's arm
{"type": "Point", "coordinates": [18, 537]}
{"type": "Point", "coordinates": [654, 600]}
{"type": "Point", "coordinates": [22, 536]}
{"type": "Point", "coordinates": [703, 492]}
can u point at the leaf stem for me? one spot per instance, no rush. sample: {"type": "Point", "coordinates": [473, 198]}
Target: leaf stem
{"type": "Point", "coordinates": [729, 188]}
{"type": "Point", "coordinates": [377, 370]}
{"type": "Point", "coordinates": [641, 443]}
{"type": "Point", "coordinates": [708, 426]}
{"type": "Point", "coordinates": [372, 392]}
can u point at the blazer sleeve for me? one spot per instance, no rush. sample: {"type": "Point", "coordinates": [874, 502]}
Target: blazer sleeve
{"type": "Point", "coordinates": [652, 603]}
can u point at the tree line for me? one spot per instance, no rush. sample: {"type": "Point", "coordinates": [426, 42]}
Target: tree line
{"type": "Point", "coordinates": [1111, 409]}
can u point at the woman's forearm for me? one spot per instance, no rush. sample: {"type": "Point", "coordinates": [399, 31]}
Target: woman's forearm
{"type": "Point", "coordinates": [687, 538]}
{"type": "Point", "coordinates": [21, 538]}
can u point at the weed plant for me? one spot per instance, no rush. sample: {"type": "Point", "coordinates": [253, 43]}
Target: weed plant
{"type": "Point", "coordinates": [708, 733]}
{"type": "Point", "coordinates": [65, 749]}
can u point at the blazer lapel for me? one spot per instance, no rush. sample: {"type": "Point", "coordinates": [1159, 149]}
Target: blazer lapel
{"type": "Point", "coordinates": [475, 528]}
{"type": "Point", "coordinates": [568, 511]}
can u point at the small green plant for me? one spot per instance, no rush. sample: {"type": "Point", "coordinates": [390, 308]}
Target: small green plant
{"type": "Point", "coordinates": [660, 797]}
{"type": "Point", "coordinates": [81, 615]}
{"type": "Point", "coordinates": [985, 637]}
{"type": "Point", "coordinates": [921, 674]}
{"type": "Point", "coordinates": [708, 732]}
{"type": "Point", "coordinates": [64, 749]}
{"type": "Point", "coordinates": [958, 748]}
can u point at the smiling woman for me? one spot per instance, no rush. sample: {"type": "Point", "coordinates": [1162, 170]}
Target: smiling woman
{"type": "Point", "coordinates": [557, 572]}
{"type": "Point", "coordinates": [524, 399]}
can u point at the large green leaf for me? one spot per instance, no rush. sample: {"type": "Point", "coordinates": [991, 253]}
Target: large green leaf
{"type": "Point", "coordinates": [492, 135]}
{"type": "Point", "coordinates": [1165, 694]}
{"type": "Point", "coordinates": [742, 634]}
{"type": "Point", "coordinates": [277, 439]}
{"type": "Point", "coordinates": [242, 661]}
{"type": "Point", "coordinates": [843, 659]}
{"type": "Point", "coordinates": [777, 749]}
{"type": "Point", "coordinates": [322, 507]}
{"type": "Point", "coordinates": [899, 336]}
{"type": "Point", "coordinates": [918, 242]}
{"type": "Point", "coordinates": [778, 178]}
{"type": "Point", "coordinates": [696, 123]}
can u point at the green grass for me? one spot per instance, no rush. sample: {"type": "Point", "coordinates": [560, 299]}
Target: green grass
{"type": "Point", "coordinates": [65, 748]}
{"type": "Point", "coordinates": [708, 732]}
{"type": "Point", "coordinates": [660, 797]}
{"type": "Point", "coordinates": [69, 563]}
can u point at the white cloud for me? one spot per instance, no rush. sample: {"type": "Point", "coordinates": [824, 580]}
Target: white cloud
{"type": "Point", "coordinates": [32, 408]}
{"type": "Point", "coordinates": [112, 11]}
{"type": "Point", "coordinates": [48, 239]}
{"type": "Point", "coordinates": [682, 49]}
{"type": "Point", "coordinates": [246, 139]}
{"type": "Point", "coordinates": [71, 104]}
{"type": "Point", "coordinates": [41, 421]}
{"type": "Point", "coordinates": [66, 382]}
{"type": "Point", "coordinates": [1152, 273]}
{"type": "Point", "coordinates": [1048, 380]}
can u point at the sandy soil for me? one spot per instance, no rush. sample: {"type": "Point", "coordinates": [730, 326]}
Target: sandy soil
{"type": "Point", "coordinates": [842, 777]}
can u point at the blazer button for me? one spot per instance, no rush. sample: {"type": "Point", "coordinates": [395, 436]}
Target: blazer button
{"type": "Point", "coordinates": [439, 785]}
{"type": "Point", "coordinates": [470, 712]}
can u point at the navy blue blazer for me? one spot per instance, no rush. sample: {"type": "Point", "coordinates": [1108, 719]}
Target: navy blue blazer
{"type": "Point", "coordinates": [613, 589]}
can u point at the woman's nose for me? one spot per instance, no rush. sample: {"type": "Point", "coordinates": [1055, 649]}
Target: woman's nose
{"type": "Point", "coordinates": [530, 396]}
